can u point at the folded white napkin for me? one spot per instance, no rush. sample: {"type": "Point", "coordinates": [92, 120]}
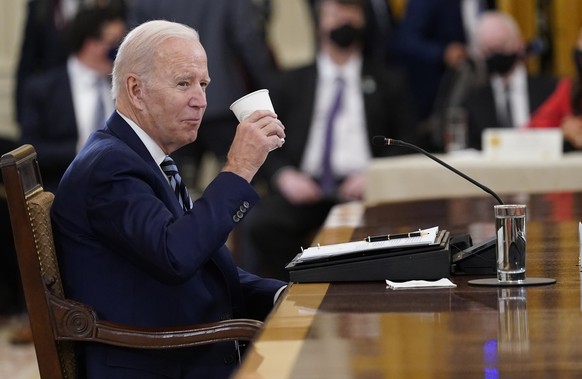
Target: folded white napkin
{"type": "Point", "coordinates": [411, 284]}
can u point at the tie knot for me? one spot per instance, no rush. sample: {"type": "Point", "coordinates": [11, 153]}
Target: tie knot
{"type": "Point", "coordinates": [169, 166]}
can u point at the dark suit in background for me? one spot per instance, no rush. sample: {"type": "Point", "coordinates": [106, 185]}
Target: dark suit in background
{"type": "Point", "coordinates": [426, 30]}
{"type": "Point", "coordinates": [277, 228]}
{"type": "Point", "coordinates": [427, 27]}
{"type": "Point", "coordinates": [482, 113]}
{"type": "Point", "coordinates": [48, 123]}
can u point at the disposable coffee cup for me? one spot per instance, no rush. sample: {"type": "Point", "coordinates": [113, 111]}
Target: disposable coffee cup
{"type": "Point", "coordinates": [254, 101]}
{"type": "Point", "coordinates": [511, 242]}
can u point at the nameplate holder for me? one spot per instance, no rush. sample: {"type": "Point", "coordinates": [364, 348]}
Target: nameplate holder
{"type": "Point", "coordinates": [522, 144]}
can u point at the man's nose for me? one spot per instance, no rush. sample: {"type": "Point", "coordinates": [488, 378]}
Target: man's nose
{"type": "Point", "coordinates": [198, 98]}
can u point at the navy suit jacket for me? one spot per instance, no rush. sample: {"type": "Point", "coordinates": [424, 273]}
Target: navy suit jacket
{"type": "Point", "coordinates": [426, 29]}
{"type": "Point", "coordinates": [126, 248]}
{"type": "Point", "coordinates": [48, 122]}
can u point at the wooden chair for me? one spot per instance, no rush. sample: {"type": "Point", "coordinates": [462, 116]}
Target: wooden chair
{"type": "Point", "coordinates": [58, 323]}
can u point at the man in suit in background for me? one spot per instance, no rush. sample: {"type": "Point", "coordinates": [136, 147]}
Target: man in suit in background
{"type": "Point", "coordinates": [511, 94]}
{"type": "Point", "coordinates": [326, 139]}
{"type": "Point", "coordinates": [434, 37]}
{"type": "Point", "coordinates": [130, 242]}
{"type": "Point", "coordinates": [62, 106]}
{"type": "Point", "coordinates": [44, 40]}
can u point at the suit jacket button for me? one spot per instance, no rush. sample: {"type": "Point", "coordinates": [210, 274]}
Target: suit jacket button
{"type": "Point", "coordinates": [240, 214]}
{"type": "Point", "coordinates": [229, 359]}
{"type": "Point", "coordinates": [246, 204]}
{"type": "Point", "coordinates": [243, 209]}
{"type": "Point", "coordinates": [235, 218]}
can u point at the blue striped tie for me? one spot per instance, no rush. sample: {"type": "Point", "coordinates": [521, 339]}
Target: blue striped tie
{"type": "Point", "coordinates": [171, 171]}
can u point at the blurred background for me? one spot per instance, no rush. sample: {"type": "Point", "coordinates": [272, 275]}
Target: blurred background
{"type": "Point", "coordinates": [552, 26]}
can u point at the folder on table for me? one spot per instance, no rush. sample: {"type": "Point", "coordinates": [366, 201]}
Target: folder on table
{"type": "Point", "coordinates": [370, 261]}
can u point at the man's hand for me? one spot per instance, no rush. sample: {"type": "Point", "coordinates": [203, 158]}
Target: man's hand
{"type": "Point", "coordinates": [352, 187]}
{"type": "Point", "coordinates": [455, 53]}
{"type": "Point", "coordinates": [297, 187]}
{"type": "Point", "coordinates": [255, 137]}
{"type": "Point", "coordinates": [572, 128]}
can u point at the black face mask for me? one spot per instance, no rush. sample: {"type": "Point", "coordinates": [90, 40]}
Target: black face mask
{"type": "Point", "coordinates": [577, 55]}
{"type": "Point", "coordinates": [500, 64]}
{"type": "Point", "coordinates": [346, 35]}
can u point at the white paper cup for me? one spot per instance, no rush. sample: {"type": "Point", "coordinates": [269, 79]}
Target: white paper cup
{"type": "Point", "coordinates": [258, 100]}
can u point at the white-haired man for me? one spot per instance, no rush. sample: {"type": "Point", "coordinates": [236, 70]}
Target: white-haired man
{"type": "Point", "coordinates": [130, 242]}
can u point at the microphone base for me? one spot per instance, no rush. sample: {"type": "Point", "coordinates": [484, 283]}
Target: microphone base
{"type": "Point", "coordinates": [494, 282]}
{"type": "Point", "coordinates": [480, 259]}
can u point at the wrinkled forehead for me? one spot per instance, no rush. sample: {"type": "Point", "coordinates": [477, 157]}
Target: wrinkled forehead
{"type": "Point", "coordinates": [180, 50]}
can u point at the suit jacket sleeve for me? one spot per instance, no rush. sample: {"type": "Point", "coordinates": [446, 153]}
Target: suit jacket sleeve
{"type": "Point", "coordinates": [135, 219]}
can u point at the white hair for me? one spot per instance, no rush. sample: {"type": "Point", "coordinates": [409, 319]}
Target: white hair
{"type": "Point", "coordinates": [136, 52]}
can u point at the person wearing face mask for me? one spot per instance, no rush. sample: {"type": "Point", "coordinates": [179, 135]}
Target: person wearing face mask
{"type": "Point", "coordinates": [511, 94]}
{"type": "Point", "coordinates": [63, 106]}
{"type": "Point", "coordinates": [331, 108]}
{"type": "Point", "coordinates": [563, 108]}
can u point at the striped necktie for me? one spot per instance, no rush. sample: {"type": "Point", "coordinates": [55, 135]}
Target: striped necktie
{"type": "Point", "coordinates": [171, 171]}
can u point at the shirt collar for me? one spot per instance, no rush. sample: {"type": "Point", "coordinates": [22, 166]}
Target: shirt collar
{"type": "Point", "coordinates": [351, 70]}
{"type": "Point", "coordinates": [154, 149]}
{"type": "Point", "coordinates": [82, 73]}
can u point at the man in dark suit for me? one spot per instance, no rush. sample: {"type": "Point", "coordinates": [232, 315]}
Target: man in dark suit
{"type": "Point", "coordinates": [511, 94]}
{"type": "Point", "coordinates": [433, 38]}
{"type": "Point", "coordinates": [44, 40]}
{"type": "Point", "coordinates": [374, 102]}
{"type": "Point", "coordinates": [130, 242]}
{"type": "Point", "coordinates": [59, 105]}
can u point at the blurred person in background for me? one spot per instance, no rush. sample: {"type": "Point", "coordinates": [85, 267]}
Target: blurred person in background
{"type": "Point", "coordinates": [64, 105]}
{"type": "Point", "coordinates": [433, 38]}
{"type": "Point", "coordinates": [331, 108]}
{"type": "Point", "coordinates": [44, 41]}
{"type": "Point", "coordinates": [563, 109]}
{"type": "Point", "coordinates": [511, 94]}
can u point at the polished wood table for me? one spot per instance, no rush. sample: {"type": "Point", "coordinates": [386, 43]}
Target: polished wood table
{"type": "Point", "coordinates": [364, 330]}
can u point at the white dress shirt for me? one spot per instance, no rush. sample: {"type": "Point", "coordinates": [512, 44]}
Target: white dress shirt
{"type": "Point", "coordinates": [350, 148]}
{"type": "Point", "coordinates": [85, 94]}
{"type": "Point", "coordinates": [518, 93]}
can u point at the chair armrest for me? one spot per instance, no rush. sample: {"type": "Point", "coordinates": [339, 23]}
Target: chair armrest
{"type": "Point", "coordinates": [73, 321]}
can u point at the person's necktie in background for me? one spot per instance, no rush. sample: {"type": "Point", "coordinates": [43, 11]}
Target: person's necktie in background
{"type": "Point", "coordinates": [508, 116]}
{"type": "Point", "coordinates": [327, 179]}
{"type": "Point", "coordinates": [171, 171]}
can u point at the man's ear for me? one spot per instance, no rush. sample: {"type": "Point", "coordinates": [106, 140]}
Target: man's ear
{"type": "Point", "coordinates": [135, 90]}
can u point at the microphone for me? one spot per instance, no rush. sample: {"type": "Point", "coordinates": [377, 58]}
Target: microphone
{"type": "Point", "coordinates": [383, 141]}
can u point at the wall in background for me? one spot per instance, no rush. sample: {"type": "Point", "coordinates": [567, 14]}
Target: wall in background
{"type": "Point", "coordinates": [12, 13]}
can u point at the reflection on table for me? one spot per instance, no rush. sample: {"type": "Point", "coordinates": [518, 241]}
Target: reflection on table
{"type": "Point", "coordinates": [364, 330]}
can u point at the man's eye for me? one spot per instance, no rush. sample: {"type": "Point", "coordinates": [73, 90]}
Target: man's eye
{"type": "Point", "coordinates": [183, 84]}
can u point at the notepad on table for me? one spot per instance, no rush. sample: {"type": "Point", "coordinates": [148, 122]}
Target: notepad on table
{"type": "Point", "coordinates": [428, 237]}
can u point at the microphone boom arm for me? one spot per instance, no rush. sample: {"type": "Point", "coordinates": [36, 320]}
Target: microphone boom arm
{"type": "Point", "coordinates": [390, 141]}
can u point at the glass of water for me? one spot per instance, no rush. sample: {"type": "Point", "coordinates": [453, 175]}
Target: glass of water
{"type": "Point", "coordinates": [511, 242]}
